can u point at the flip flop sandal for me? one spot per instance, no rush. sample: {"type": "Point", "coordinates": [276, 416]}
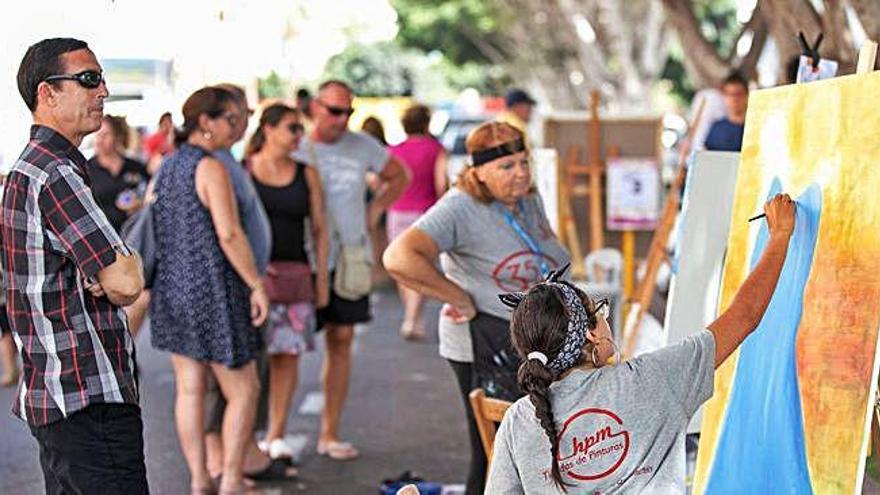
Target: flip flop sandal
{"type": "Point", "coordinates": [277, 470]}
{"type": "Point", "coordinates": [280, 450]}
{"type": "Point", "coordinates": [338, 451]}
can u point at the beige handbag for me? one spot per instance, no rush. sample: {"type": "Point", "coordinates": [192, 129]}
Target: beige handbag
{"type": "Point", "coordinates": [353, 278]}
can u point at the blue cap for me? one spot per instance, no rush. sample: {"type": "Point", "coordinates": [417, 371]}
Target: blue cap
{"type": "Point", "coordinates": [515, 96]}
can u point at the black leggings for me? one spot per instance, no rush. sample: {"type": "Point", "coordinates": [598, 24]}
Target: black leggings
{"type": "Point", "coordinates": [476, 479]}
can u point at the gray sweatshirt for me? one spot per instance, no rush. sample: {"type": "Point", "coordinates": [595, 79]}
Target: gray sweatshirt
{"type": "Point", "coordinates": [621, 429]}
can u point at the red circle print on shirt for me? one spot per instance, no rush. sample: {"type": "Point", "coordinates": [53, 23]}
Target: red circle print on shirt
{"type": "Point", "coordinates": [520, 270]}
{"type": "Point", "coordinates": [592, 445]}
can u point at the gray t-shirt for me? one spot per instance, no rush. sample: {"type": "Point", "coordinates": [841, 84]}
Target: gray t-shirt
{"type": "Point", "coordinates": [483, 254]}
{"type": "Point", "coordinates": [621, 429]}
{"type": "Point", "coordinates": [343, 166]}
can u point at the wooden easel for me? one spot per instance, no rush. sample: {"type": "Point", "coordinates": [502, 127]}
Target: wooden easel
{"type": "Point", "coordinates": [568, 233]}
{"type": "Point", "coordinates": [572, 186]}
{"type": "Point", "coordinates": [657, 251]}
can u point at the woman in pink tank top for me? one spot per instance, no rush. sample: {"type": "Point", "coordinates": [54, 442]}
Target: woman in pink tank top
{"type": "Point", "coordinates": [425, 158]}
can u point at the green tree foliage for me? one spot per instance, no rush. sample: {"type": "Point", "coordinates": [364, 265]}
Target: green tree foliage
{"type": "Point", "coordinates": [378, 69]}
{"type": "Point", "coordinates": [460, 29]}
{"type": "Point", "coordinates": [273, 86]}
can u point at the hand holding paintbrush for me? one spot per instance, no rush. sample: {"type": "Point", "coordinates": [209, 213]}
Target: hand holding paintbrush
{"type": "Point", "coordinates": [780, 220]}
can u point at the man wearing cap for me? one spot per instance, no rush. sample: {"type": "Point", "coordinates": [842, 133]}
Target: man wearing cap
{"type": "Point", "coordinates": [518, 111]}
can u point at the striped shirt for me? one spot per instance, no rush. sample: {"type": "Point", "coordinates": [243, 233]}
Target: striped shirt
{"type": "Point", "coordinates": [75, 348]}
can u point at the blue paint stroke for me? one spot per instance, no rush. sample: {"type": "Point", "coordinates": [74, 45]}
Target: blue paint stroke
{"type": "Point", "coordinates": [761, 448]}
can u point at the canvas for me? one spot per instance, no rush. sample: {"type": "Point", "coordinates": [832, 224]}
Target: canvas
{"type": "Point", "coordinates": [792, 406]}
{"type": "Point", "coordinates": [699, 248]}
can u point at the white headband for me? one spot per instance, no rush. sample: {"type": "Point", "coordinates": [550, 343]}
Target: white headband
{"type": "Point", "coordinates": [540, 356]}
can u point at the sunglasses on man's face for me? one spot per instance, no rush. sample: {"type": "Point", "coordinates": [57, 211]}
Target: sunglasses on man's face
{"type": "Point", "coordinates": [89, 79]}
{"type": "Point", "coordinates": [296, 128]}
{"type": "Point", "coordinates": [337, 111]}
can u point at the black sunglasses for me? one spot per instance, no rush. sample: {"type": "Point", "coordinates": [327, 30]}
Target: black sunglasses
{"type": "Point", "coordinates": [296, 128]}
{"type": "Point", "coordinates": [337, 111]}
{"type": "Point", "coordinates": [89, 79]}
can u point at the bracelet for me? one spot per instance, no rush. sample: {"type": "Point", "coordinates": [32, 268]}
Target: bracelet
{"type": "Point", "coordinates": [256, 286]}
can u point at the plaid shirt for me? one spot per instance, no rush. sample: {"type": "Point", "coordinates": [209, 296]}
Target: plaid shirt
{"type": "Point", "coordinates": [76, 348]}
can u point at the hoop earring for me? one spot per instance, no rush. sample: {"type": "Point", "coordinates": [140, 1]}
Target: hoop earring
{"type": "Point", "coordinates": [595, 357]}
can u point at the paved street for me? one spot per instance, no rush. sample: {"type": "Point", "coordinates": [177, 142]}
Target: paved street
{"type": "Point", "coordinates": [404, 413]}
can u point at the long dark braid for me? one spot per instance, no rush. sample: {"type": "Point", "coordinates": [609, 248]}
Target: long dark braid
{"type": "Point", "coordinates": [540, 323]}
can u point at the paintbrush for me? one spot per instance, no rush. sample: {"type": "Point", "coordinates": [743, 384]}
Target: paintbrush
{"type": "Point", "coordinates": [756, 217]}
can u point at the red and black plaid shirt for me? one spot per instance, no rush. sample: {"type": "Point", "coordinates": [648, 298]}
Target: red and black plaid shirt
{"type": "Point", "coordinates": [76, 348]}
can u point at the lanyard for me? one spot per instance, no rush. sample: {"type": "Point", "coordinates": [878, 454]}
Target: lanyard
{"type": "Point", "coordinates": [525, 237]}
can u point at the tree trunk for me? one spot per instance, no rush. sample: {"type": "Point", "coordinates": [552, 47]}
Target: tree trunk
{"type": "Point", "coordinates": [868, 12]}
{"type": "Point", "coordinates": [704, 64]}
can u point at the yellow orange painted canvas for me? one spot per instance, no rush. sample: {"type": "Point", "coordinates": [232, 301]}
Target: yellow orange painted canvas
{"type": "Point", "coordinates": [826, 132]}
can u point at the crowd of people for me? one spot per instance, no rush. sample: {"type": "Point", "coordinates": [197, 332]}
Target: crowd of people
{"type": "Point", "coordinates": [254, 257]}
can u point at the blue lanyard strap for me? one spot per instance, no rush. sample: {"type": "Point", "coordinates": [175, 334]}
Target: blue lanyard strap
{"type": "Point", "coordinates": [524, 236]}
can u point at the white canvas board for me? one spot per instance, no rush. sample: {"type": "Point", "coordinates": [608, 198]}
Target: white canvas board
{"type": "Point", "coordinates": [704, 224]}
{"type": "Point", "coordinates": [546, 178]}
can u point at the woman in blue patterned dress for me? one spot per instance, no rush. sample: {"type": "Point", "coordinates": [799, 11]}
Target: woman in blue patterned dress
{"type": "Point", "coordinates": [208, 299]}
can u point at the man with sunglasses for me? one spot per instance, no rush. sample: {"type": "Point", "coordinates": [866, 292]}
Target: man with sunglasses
{"type": "Point", "coordinates": [343, 159]}
{"type": "Point", "coordinates": [69, 275]}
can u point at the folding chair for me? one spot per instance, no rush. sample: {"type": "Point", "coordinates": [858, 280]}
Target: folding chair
{"type": "Point", "coordinates": [487, 412]}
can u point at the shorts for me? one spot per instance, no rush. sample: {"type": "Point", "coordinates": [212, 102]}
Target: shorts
{"type": "Point", "coordinates": [343, 311]}
{"type": "Point", "coordinates": [291, 329]}
{"type": "Point", "coordinates": [399, 221]}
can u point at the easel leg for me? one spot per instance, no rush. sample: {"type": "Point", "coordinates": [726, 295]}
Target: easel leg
{"type": "Point", "coordinates": [629, 261]}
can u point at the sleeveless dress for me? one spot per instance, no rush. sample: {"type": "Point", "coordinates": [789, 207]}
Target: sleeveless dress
{"type": "Point", "coordinates": [199, 306]}
{"type": "Point", "coordinates": [291, 327]}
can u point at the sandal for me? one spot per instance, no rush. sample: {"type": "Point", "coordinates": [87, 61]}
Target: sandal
{"type": "Point", "coordinates": [211, 490]}
{"type": "Point", "coordinates": [338, 451]}
{"type": "Point", "coordinates": [412, 332]}
{"type": "Point", "coordinates": [277, 470]}
{"type": "Point", "coordinates": [277, 449]}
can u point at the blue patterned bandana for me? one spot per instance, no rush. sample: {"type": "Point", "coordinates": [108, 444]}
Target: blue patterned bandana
{"type": "Point", "coordinates": [576, 336]}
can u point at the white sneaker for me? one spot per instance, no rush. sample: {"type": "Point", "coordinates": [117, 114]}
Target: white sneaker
{"type": "Point", "coordinates": [279, 449]}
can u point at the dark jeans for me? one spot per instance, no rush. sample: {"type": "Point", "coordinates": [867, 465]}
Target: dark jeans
{"type": "Point", "coordinates": [97, 450]}
{"type": "Point", "coordinates": [476, 478]}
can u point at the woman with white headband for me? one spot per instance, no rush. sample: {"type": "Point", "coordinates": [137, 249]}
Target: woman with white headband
{"type": "Point", "coordinates": [615, 429]}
